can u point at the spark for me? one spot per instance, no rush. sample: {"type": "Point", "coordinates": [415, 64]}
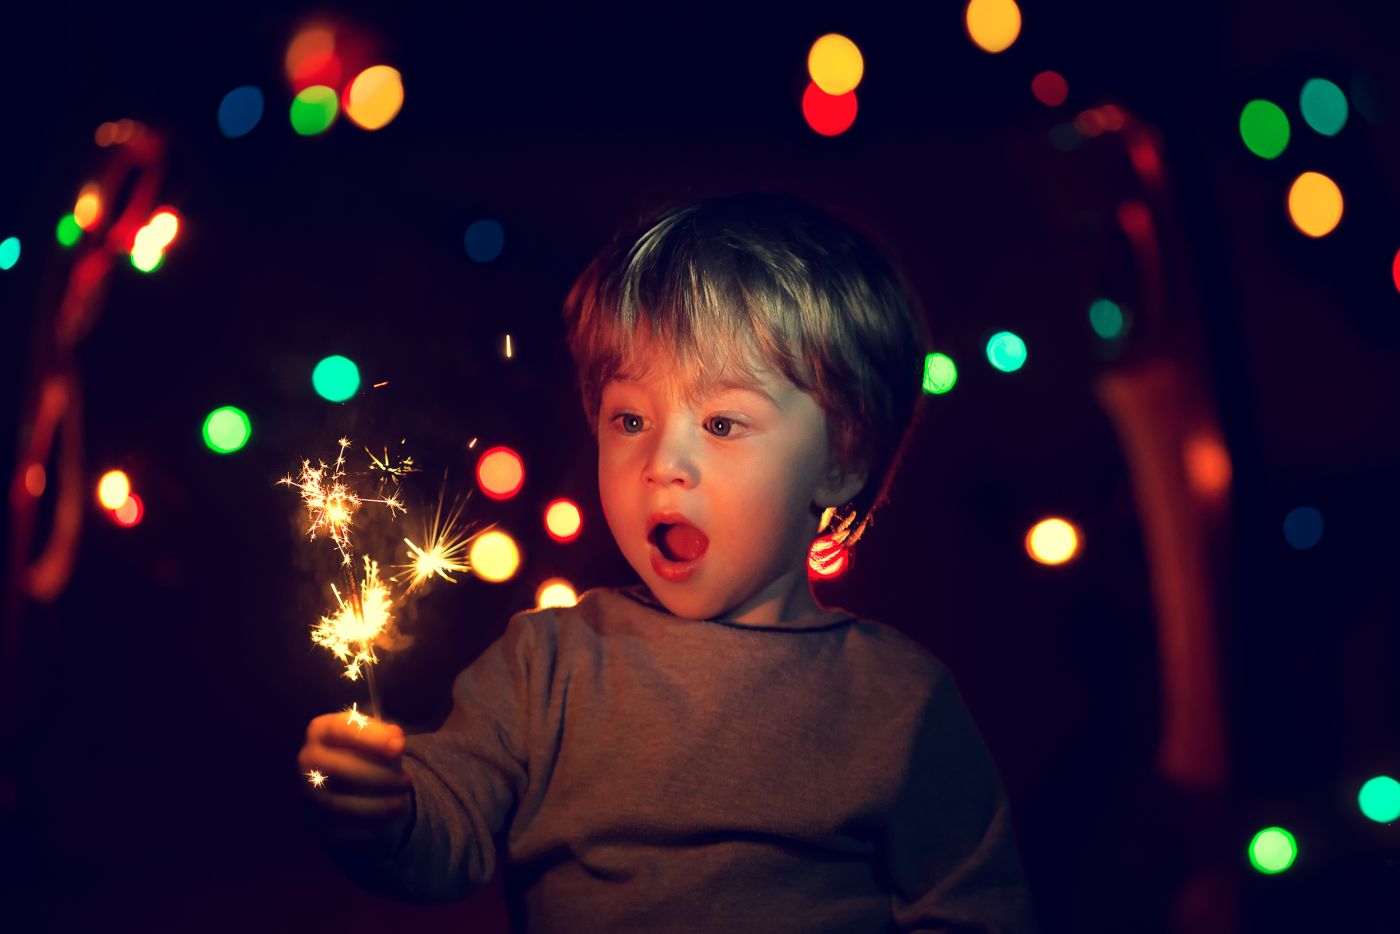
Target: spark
{"type": "Point", "coordinates": [471, 444]}
{"type": "Point", "coordinates": [405, 465]}
{"type": "Point", "coordinates": [509, 354]}
{"type": "Point", "coordinates": [330, 503]}
{"type": "Point", "coordinates": [355, 717]}
{"type": "Point", "coordinates": [350, 632]}
{"type": "Point", "coordinates": [316, 778]}
{"type": "Point", "coordinates": [380, 385]}
{"type": "Point", "coordinates": [444, 548]}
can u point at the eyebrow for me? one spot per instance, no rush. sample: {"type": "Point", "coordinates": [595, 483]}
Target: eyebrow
{"type": "Point", "coordinates": [721, 386]}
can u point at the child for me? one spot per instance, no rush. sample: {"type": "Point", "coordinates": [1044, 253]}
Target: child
{"type": "Point", "coordinates": [712, 750]}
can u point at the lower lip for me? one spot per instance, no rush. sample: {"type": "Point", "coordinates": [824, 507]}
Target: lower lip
{"type": "Point", "coordinates": [673, 571]}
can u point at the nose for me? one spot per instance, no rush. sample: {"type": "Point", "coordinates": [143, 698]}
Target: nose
{"type": "Point", "coordinates": [671, 460]}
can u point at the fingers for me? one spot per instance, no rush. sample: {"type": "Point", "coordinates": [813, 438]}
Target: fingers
{"type": "Point", "coordinates": [376, 738]}
{"type": "Point", "coordinates": [347, 771]}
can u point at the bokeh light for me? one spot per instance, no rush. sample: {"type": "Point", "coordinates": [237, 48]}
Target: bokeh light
{"type": "Point", "coordinates": [1107, 319]}
{"type": "Point", "coordinates": [1315, 204]}
{"type": "Point", "coordinates": [1050, 88]}
{"type": "Point", "coordinates": [1302, 527]}
{"type": "Point", "coordinates": [113, 489]}
{"type": "Point", "coordinates": [555, 592]}
{"type": "Point", "coordinates": [1394, 268]}
{"type": "Point", "coordinates": [36, 479]}
{"type": "Point", "coordinates": [1272, 850]}
{"type": "Point", "coordinates": [484, 240]}
{"type": "Point", "coordinates": [826, 559]}
{"type": "Point", "coordinates": [9, 252]}
{"type": "Point", "coordinates": [374, 98]}
{"type": "Point", "coordinates": [1379, 799]}
{"type": "Point", "coordinates": [500, 473]}
{"type": "Point", "coordinates": [1264, 128]}
{"type": "Point", "coordinates": [1208, 467]}
{"type": "Point", "coordinates": [835, 64]}
{"type": "Point", "coordinates": [940, 374]}
{"type": "Point", "coordinates": [129, 513]}
{"type": "Point", "coordinates": [1006, 351]}
{"type": "Point", "coordinates": [88, 209]}
{"type": "Point", "coordinates": [311, 57]}
{"type": "Point", "coordinates": [828, 114]}
{"type": "Point", "coordinates": [227, 429]}
{"type": "Point", "coordinates": [494, 556]}
{"type": "Point", "coordinates": [336, 378]}
{"type": "Point", "coordinates": [313, 110]}
{"type": "Point", "coordinates": [993, 25]}
{"type": "Point", "coordinates": [563, 520]}
{"type": "Point", "coordinates": [151, 241]}
{"type": "Point", "coordinates": [1324, 106]}
{"type": "Point", "coordinates": [68, 231]}
{"type": "Point", "coordinates": [240, 111]}
{"type": "Point", "coordinates": [1052, 541]}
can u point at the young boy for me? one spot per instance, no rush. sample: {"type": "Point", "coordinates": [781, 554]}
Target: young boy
{"type": "Point", "coordinates": [712, 750]}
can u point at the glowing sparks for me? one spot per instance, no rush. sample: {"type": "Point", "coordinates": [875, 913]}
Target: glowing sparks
{"type": "Point", "coordinates": [331, 504]}
{"type": "Point", "coordinates": [444, 550]}
{"type": "Point", "coordinates": [316, 778]}
{"type": "Point", "coordinates": [350, 632]}
{"type": "Point", "coordinates": [355, 717]}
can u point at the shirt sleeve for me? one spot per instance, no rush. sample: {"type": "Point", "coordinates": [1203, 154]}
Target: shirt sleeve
{"type": "Point", "coordinates": [950, 852]}
{"type": "Point", "coordinates": [468, 778]}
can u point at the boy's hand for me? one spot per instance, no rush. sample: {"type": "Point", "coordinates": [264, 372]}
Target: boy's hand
{"type": "Point", "coordinates": [367, 798]}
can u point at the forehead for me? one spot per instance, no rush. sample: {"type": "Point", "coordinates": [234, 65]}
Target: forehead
{"type": "Point", "coordinates": [699, 375]}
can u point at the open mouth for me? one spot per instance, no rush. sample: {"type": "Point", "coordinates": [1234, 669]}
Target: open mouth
{"type": "Point", "coordinates": [679, 542]}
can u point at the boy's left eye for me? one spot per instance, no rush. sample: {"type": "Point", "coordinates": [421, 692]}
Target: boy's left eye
{"type": "Point", "coordinates": [723, 426]}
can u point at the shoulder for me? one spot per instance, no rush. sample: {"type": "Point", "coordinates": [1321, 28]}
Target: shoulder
{"type": "Point", "coordinates": [596, 610]}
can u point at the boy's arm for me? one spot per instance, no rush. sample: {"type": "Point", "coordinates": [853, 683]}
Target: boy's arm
{"type": "Point", "coordinates": [949, 850]}
{"type": "Point", "coordinates": [468, 778]}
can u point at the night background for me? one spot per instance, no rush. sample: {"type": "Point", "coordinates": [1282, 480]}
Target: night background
{"type": "Point", "coordinates": [1216, 659]}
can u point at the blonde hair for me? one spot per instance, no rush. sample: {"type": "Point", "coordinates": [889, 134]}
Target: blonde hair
{"type": "Point", "coordinates": [816, 299]}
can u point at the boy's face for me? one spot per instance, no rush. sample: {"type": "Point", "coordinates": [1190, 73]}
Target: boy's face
{"type": "Point", "coordinates": [735, 470]}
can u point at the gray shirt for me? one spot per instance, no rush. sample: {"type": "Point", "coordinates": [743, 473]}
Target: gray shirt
{"type": "Point", "coordinates": [638, 771]}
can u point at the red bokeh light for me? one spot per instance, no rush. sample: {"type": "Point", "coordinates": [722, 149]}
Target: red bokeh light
{"type": "Point", "coordinates": [1050, 88]}
{"type": "Point", "coordinates": [563, 520]}
{"type": "Point", "coordinates": [828, 114]}
{"type": "Point", "coordinates": [826, 559]}
{"type": "Point", "coordinates": [129, 513]}
{"type": "Point", "coordinates": [500, 473]}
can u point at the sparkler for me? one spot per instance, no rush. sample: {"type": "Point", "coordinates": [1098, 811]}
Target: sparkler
{"type": "Point", "coordinates": [366, 611]}
{"type": "Point", "coordinates": [331, 505]}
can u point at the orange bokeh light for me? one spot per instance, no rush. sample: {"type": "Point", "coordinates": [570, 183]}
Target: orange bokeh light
{"type": "Point", "coordinates": [36, 479]}
{"type": "Point", "coordinates": [130, 512]}
{"type": "Point", "coordinates": [1207, 463]}
{"type": "Point", "coordinates": [1052, 541]}
{"type": "Point", "coordinates": [500, 473]}
{"type": "Point", "coordinates": [563, 520]}
{"type": "Point", "coordinates": [311, 58]}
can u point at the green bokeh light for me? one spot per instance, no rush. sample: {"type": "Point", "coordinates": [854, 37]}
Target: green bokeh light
{"type": "Point", "coordinates": [68, 230]}
{"type": "Point", "coordinates": [227, 429]}
{"type": "Point", "coordinates": [1264, 128]}
{"type": "Point", "coordinates": [1106, 318]}
{"type": "Point", "coordinates": [1272, 850]}
{"type": "Point", "coordinates": [1324, 106]}
{"type": "Point", "coordinates": [1006, 352]}
{"type": "Point", "coordinates": [336, 378]}
{"type": "Point", "coordinates": [1380, 799]}
{"type": "Point", "coordinates": [940, 373]}
{"type": "Point", "coordinates": [9, 253]}
{"type": "Point", "coordinates": [314, 110]}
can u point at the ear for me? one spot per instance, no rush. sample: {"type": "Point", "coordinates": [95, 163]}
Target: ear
{"type": "Point", "coordinates": [841, 484]}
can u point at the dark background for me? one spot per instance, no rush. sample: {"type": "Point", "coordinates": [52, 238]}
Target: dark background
{"type": "Point", "coordinates": [164, 695]}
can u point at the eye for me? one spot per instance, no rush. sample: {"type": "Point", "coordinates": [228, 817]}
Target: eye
{"type": "Point", "coordinates": [629, 422]}
{"type": "Point", "coordinates": [722, 426]}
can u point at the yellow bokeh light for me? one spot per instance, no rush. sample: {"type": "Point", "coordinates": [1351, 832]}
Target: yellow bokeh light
{"type": "Point", "coordinates": [1052, 541]}
{"type": "Point", "coordinates": [1315, 204]}
{"type": "Point", "coordinates": [555, 592]}
{"type": "Point", "coordinates": [563, 520]}
{"type": "Point", "coordinates": [993, 24]}
{"type": "Point", "coordinates": [494, 557]}
{"type": "Point", "coordinates": [835, 64]}
{"type": "Point", "coordinates": [375, 97]}
{"type": "Point", "coordinates": [88, 211]}
{"type": "Point", "coordinates": [113, 489]}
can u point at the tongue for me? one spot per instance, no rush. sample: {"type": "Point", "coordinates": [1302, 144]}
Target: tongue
{"type": "Point", "coordinates": [686, 542]}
